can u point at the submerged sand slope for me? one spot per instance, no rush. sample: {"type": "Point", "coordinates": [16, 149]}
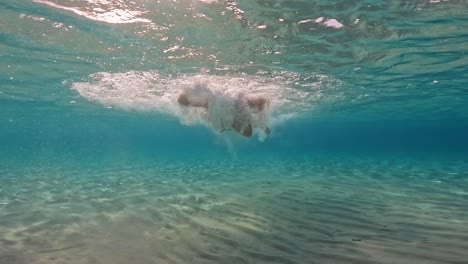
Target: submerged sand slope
{"type": "Point", "coordinates": [241, 212]}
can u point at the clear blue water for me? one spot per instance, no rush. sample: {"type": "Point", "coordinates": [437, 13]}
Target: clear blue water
{"type": "Point", "coordinates": [366, 161]}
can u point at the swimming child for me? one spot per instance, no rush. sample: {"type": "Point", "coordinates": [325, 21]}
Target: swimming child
{"type": "Point", "coordinates": [226, 113]}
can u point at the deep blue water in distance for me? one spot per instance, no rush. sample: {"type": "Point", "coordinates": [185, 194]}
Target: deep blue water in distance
{"type": "Point", "coordinates": [143, 134]}
{"type": "Point", "coordinates": [366, 162]}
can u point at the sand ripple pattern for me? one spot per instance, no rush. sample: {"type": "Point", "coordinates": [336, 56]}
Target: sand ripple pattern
{"type": "Point", "coordinates": [311, 211]}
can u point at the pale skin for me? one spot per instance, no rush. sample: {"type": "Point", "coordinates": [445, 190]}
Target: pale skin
{"type": "Point", "coordinates": [258, 104]}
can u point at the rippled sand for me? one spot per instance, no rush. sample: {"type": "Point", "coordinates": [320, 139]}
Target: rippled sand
{"type": "Point", "coordinates": [310, 211]}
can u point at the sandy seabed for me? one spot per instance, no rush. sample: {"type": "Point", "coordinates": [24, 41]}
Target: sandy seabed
{"type": "Point", "coordinates": [303, 211]}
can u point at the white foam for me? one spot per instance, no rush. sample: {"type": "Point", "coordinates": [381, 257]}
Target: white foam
{"type": "Point", "coordinates": [152, 91]}
{"type": "Point", "coordinates": [209, 1]}
{"type": "Point", "coordinates": [321, 20]}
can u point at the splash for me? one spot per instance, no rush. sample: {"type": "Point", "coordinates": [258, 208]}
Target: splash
{"type": "Point", "coordinates": [152, 91]}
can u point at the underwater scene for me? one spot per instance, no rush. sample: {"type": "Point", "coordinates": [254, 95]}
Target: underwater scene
{"type": "Point", "coordinates": [233, 131]}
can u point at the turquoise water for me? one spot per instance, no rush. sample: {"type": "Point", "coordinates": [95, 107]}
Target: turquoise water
{"type": "Point", "coordinates": [366, 161]}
